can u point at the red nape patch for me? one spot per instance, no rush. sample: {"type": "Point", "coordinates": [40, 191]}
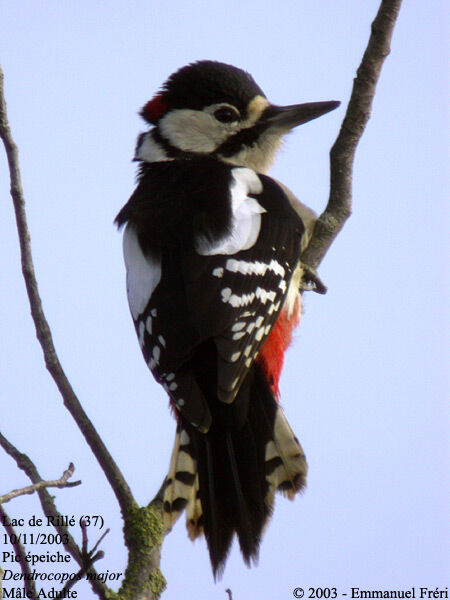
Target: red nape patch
{"type": "Point", "coordinates": [271, 355]}
{"type": "Point", "coordinates": [154, 109]}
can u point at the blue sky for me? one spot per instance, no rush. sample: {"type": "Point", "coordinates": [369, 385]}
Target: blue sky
{"type": "Point", "coordinates": [365, 385]}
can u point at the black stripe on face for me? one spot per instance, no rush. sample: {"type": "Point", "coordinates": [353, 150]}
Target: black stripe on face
{"type": "Point", "coordinates": [246, 137]}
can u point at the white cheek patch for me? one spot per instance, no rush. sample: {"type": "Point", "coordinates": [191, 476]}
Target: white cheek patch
{"type": "Point", "coordinates": [192, 130]}
{"type": "Point", "coordinates": [143, 273]}
{"type": "Point", "coordinates": [246, 220]}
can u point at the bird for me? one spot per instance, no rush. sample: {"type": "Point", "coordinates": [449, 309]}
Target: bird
{"type": "Point", "coordinates": [214, 281]}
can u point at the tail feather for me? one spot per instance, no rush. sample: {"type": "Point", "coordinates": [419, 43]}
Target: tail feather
{"type": "Point", "coordinates": [194, 513]}
{"type": "Point", "coordinates": [226, 479]}
{"type": "Point", "coordinates": [179, 490]}
{"type": "Point", "coordinates": [244, 527]}
{"type": "Point", "coordinates": [286, 466]}
{"type": "Point", "coordinates": [217, 516]}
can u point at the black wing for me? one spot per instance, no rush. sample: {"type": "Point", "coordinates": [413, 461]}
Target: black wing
{"type": "Point", "coordinates": [226, 255]}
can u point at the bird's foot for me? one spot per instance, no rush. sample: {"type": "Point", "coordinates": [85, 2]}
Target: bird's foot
{"type": "Point", "coordinates": [311, 281]}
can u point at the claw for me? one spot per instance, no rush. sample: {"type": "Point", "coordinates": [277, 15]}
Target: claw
{"type": "Point", "coordinates": [311, 281]}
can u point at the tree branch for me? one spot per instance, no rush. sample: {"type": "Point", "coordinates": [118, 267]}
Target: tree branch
{"type": "Point", "coordinates": [339, 206]}
{"type": "Point", "coordinates": [71, 402]}
{"type": "Point", "coordinates": [62, 482]}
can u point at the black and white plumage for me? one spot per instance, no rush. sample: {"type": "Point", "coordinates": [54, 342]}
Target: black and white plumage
{"type": "Point", "coordinates": [212, 248]}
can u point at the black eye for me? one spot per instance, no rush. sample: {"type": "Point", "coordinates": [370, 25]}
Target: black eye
{"type": "Point", "coordinates": [226, 114]}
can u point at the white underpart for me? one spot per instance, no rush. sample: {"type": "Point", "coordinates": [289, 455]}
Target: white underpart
{"type": "Point", "coordinates": [149, 150]}
{"type": "Point", "coordinates": [143, 273]}
{"type": "Point", "coordinates": [246, 216]}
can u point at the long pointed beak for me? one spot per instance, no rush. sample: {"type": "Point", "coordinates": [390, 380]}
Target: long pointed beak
{"type": "Point", "coordinates": [288, 117]}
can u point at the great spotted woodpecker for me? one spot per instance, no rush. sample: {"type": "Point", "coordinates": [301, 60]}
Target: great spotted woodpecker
{"type": "Point", "coordinates": [214, 281]}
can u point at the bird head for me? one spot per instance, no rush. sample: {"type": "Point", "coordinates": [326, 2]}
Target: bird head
{"type": "Point", "coordinates": [209, 108]}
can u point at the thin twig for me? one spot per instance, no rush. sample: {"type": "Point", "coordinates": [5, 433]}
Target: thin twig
{"type": "Point", "coordinates": [100, 540]}
{"type": "Point", "coordinates": [20, 553]}
{"type": "Point", "coordinates": [71, 402]}
{"type": "Point", "coordinates": [84, 537]}
{"type": "Point", "coordinates": [62, 482]}
{"type": "Point", "coordinates": [339, 206]}
{"type": "Point", "coordinates": [90, 557]}
{"type": "Point", "coordinates": [81, 573]}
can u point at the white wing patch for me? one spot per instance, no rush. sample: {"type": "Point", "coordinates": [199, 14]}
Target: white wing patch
{"type": "Point", "coordinates": [254, 268]}
{"type": "Point", "coordinates": [143, 273]}
{"type": "Point", "coordinates": [246, 220]}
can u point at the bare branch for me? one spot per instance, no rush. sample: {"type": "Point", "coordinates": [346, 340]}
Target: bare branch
{"type": "Point", "coordinates": [339, 207]}
{"type": "Point", "coordinates": [62, 482]}
{"type": "Point", "coordinates": [100, 540]}
{"type": "Point", "coordinates": [20, 553]}
{"type": "Point", "coordinates": [71, 402]}
{"type": "Point", "coordinates": [84, 544]}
